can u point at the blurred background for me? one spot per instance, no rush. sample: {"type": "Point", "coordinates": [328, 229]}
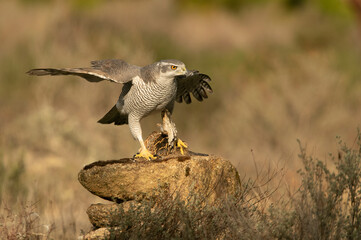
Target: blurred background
{"type": "Point", "coordinates": [281, 70]}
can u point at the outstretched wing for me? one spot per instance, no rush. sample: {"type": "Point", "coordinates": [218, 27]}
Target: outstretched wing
{"type": "Point", "coordinates": [114, 70]}
{"type": "Point", "coordinates": [195, 83]}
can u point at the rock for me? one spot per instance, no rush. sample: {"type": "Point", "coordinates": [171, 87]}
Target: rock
{"type": "Point", "coordinates": [209, 177]}
{"type": "Point", "coordinates": [174, 177]}
{"type": "Point", "coordinates": [125, 180]}
{"type": "Point", "coordinates": [103, 215]}
{"type": "Point", "coordinates": [108, 215]}
{"type": "Point", "coordinates": [103, 233]}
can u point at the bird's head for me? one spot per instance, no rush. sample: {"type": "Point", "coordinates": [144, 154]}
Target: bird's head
{"type": "Point", "coordinates": [171, 68]}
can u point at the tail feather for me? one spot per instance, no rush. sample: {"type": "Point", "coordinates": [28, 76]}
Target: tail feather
{"type": "Point", "coordinates": [113, 116]}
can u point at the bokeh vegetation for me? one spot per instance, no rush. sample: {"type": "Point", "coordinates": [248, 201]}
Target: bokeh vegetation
{"type": "Point", "coordinates": [282, 70]}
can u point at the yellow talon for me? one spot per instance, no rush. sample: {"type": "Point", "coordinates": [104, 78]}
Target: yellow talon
{"type": "Point", "coordinates": [145, 154]}
{"type": "Point", "coordinates": [181, 145]}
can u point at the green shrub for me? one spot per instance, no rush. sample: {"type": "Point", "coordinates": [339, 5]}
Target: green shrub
{"type": "Point", "coordinates": [327, 205]}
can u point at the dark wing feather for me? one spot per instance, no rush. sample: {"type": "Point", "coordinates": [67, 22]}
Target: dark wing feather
{"type": "Point", "coordinates": [114, 70]}
{"type": "Point", "coordinates": [195, 83]}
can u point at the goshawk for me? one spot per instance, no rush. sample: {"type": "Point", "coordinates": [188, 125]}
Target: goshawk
{"type": "Point", "coordinates": [147, 89]}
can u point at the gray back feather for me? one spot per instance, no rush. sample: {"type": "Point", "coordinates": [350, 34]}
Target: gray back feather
{"type": "Point", "coordinates": [114, 70]}
{"type": "Point", "coordinates": [149, 73]}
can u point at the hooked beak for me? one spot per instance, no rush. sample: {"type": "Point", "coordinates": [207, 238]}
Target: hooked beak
{"type": "Point", "coordinates": [184, 70]}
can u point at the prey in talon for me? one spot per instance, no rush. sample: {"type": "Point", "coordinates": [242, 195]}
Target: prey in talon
{"type": "Point", "coordinates": [168, 127]}
{"type": "Point", "coordinates": [146, 90]}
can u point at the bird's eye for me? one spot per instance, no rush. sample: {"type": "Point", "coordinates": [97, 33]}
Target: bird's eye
{"type": "Point", "coordinates": [173, 67]}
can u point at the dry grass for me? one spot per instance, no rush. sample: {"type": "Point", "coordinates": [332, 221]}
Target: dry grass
{"type": "Point", "coordinates": [277, 76]}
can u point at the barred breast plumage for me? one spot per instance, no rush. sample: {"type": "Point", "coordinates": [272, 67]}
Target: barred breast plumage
{"type": "Point", "coordinates": [145, 98]}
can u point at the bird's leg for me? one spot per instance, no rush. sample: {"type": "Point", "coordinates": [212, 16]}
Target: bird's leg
{"type": "Point", "coordinates": [169, 128]}
{"type": "Point", "coordinates": [143, 152]}
{"type": "Point", "coordinates": [181, 145]}
{"type": "Point", "coordinates": [136, 131]}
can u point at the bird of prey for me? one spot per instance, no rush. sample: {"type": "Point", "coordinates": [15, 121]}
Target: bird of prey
{"type": "Point", "coordinates": [147, 89]}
